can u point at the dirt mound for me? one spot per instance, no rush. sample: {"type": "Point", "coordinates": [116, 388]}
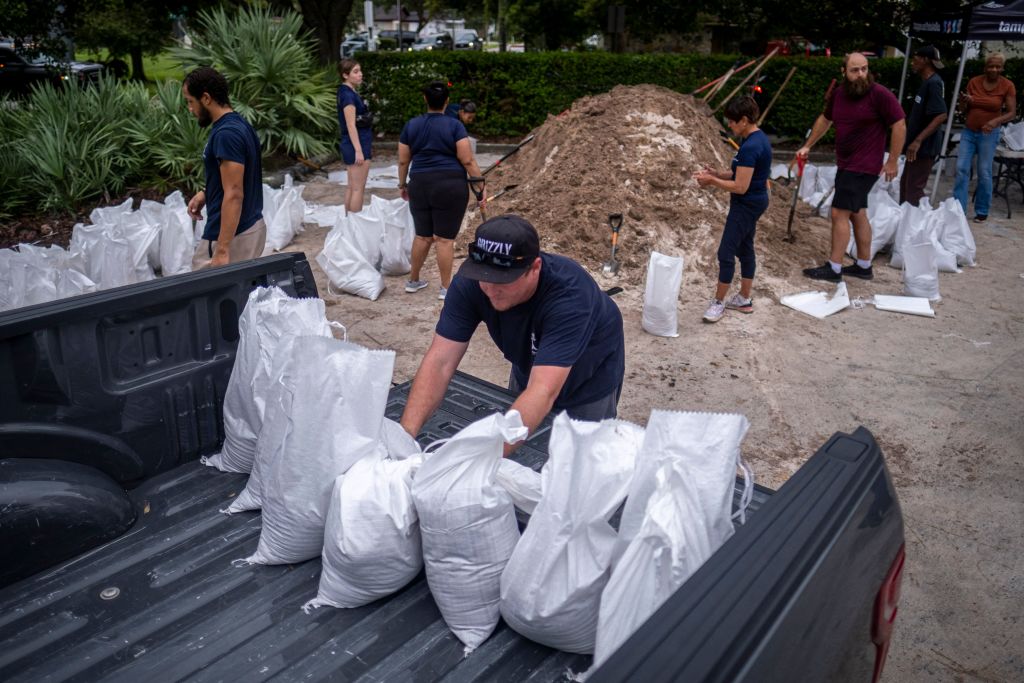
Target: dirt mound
{"type": "Point", "coordinates": [632, 151]}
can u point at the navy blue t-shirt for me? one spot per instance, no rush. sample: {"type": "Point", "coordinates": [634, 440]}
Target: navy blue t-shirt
{"type": "Point", "coordinates": [347, 96]}
{"type": "Point", "coordinates": [452, 110]}
{"type": "Point", "coordinates": [569, 321]}
{"type": "Point", "coordinates": [756, 153]}
{"type": "Point", "coordinates": [432, 138]}
{"type": "Point", "coordinates": [233, 139]}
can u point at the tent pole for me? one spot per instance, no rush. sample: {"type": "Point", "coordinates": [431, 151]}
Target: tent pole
{"type": "Point", "coordinates": [949, 122]}
{"type": "Point", "coordinates": [906, 62]}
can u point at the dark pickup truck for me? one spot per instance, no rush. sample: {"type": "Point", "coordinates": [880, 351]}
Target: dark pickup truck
{"type": "Point", "coordinates": [117, 565]}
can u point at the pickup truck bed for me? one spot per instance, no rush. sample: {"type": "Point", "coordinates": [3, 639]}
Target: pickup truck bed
{"type": "Point", "coordinates": [792, 596]}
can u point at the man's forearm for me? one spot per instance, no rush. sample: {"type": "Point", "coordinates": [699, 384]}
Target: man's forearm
{"type": "Point", "coordinates": [533, 405]}
{"type": "Point", "coordinates": [821, 126]}
{"type": "Point", "coordinates": [899, 136]}
{"type": "Point", "coordinates": [230, 214]}
{"type": "Point", "coordinates": [425, 396]}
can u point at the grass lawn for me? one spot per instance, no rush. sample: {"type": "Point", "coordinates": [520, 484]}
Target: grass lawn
{"type": "Point", "coordinates": [159, 67]}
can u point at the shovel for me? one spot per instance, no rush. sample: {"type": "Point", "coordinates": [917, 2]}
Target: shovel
{"type": "Point", "coordinates": [800, 161]}
{"type": "Point", "coordinates": [478, 185]}
{"type": "Point", "coordinates": [611, 266]}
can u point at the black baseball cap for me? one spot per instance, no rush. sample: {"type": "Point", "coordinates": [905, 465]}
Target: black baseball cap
{"type": "Point", "coordinates": [931, 53]}
{"type": "Point", "coordinates": [504, 248]}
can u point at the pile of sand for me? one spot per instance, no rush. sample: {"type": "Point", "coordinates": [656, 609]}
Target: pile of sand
{"type": "Point", "coordinates": [632, 151]}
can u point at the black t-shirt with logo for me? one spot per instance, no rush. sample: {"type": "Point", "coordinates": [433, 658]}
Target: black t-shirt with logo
{"type": "Point", "coordinates": [928, 103]}
{"type": "Point", "coordinates": [569, 322]}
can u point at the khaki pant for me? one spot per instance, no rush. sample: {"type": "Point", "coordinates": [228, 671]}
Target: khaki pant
{"type": "Point", "coordinates": [248, 245]}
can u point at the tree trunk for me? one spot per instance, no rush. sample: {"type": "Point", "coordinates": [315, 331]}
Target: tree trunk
{"type": "Point", "coordinates": [138, 70]}
{"type": "Point", "coordinates": [326, 20]}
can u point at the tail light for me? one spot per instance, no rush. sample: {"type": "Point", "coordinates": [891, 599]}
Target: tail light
{"type": "Point", "coordinates": [886, 606]}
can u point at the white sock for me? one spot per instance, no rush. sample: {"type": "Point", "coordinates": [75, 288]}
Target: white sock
{"type": "Point", "coordinates": [836, 268]}
{"type": "Point", "coordinates": [863, 264]}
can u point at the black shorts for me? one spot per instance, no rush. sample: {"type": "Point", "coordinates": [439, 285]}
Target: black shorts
{"type": "Point", "coordinates": [852, 190]}
{"type": "Point", "coordinates": [437, 201]}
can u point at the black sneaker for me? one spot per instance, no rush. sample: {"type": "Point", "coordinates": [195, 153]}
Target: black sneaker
{"type": "Point", "coordinates": [824, 272]}
{"type": "Point", "coordinates": [856, 271]}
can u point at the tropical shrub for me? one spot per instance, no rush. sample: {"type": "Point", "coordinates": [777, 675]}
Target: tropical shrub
{"type": "Point", "coordinates": [275, 80]}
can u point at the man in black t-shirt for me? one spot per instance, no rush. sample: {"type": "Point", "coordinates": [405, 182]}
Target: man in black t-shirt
{"type": "Point", "coordinates": [561, 333]}
{"type": "Point", "coordinates": [926, 116]}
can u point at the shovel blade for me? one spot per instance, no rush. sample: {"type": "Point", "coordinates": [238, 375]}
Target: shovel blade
{"type": "Point", "coordinates": [611, 267]}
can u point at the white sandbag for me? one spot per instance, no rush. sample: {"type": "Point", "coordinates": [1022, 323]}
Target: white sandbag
{"type": "Point", "coordinates": [884, 217]}
{"type": "Point", "coordinates": [283, 211]}
{"type": "Point", "coordinates": [104, 255]}
{"type": "Point", "coordinates": [521, 482]}
{"type": "Point", "coordinates": [955, 232]}
{"type": "Point", "coordinates": [551, 588]}
{"type": "Point", "coordinates": [70, 282]}
{"type": "Point", "coordinates": [1013, 136]}
{"type": "Point", "coordinates": [398, 234]}
{"type": "Point", "coordinates": [945, 260]}
{"type": "Point", "coordinates": [269, 315]}
{"type": "Point", "coordinates": [808, 185]}
{"type": "Point", "coordinates": [346, 267]}
{"type": "Point", "coordinates": [144, 240]}
{"type": "Point", "coordinates": [372, 545]}
{"type": "Point", "coordinates": [911, 219]}
{"type": "Point", "coordinates": [468, 524]}
{"type": "Point", "coordinates": [176, 236]}
{"type": "Point", "coordinates": [661, 295]}
{"type": "Point", "coordinates": [338, 400]}
{"type": "Point", "coordinates": [366, 231]}
{"type": "Point", "coordinates": [818, 304]}
{"type": "Point", "coordinates": [678, 513]}
{"type": "Point", "coordinates": [326, 215]}
{"type": "Point", "coordinates": [920, 267]}
{"type": "Point", "coordinates": [110, 214]}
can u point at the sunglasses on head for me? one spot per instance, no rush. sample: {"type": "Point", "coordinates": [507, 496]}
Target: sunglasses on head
{"type": "Point", "coordinates": [487, 258]}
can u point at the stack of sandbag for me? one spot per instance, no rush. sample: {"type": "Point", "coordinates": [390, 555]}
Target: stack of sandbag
{"type": "Point", "coordinates": [372, 545]}
{"type": "Point", "coordinates": [116, 248]}
{"type": "Point", "coordinates": [678, 513]}
{"type": "Point", "coordinates": [175, 245]}
{"type": "Point", "coordinates": [551, 588]}
{"type": "Point", "coordinates": [35, 275]}
{"type": "Point", "coordinates": [338, 394]}
{"type": "Point", "coordinates": [363, 246]}
{"type": "Point", "coordinates": [283, 212]}
{"type": "Point", "coordinates": [468, 524]}
{"type": "Point", "coordinates": [945, 228]}
{"type": "Point", "coordinates": [269, 316]}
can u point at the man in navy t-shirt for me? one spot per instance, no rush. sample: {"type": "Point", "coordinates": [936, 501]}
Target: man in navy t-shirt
{"type": "Point", "coordinates": [233, 197]}
{"type": "Point", "coordinates": [561, 333]}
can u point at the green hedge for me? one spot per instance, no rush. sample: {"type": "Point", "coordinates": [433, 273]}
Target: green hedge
{"type": "Point", "coordinates": [516, 92]}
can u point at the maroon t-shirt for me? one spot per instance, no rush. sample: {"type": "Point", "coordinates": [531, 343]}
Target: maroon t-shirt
{"type": "Point", "coordinates": [861, 127]}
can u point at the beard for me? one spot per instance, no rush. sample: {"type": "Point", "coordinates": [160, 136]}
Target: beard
{"type": "Point", "coordinates": [858, 88]}
{"type": "Point", "coordinates": [204, 118]}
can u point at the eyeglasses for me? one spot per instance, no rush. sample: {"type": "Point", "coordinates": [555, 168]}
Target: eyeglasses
{"type": "Point", "coordinates": [485, 257]}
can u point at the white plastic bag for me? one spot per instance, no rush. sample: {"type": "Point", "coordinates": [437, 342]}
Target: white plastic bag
{"type": "Point", "coordinates": [1013, 136]}
{"type": "Point", "coordinates": [661, 295]}
{"type": "Point", "coordinates": [818, 304]}
{"type": "Point", "coordinates": [398, 234]}
{"type": "Point", "coordinates": [920, 267]}
{"type": "Point", "coordinates": [366, 231]}
{"type": "Point", "coordinates": [339, 395]}
{"type": "Point", "coordinates": [372, 544]}
{"type": "Point", "coordinates": [808, 185]}
{"type": "Point", "coordinates": [955, 232]}
{"type": "Point", "coordinates": [346, 267]}
{"type": "Point", "coordinates": [521, 482]}
{"type": "Point", "coordinates": [911, 219]}
{"type": "Point", "coordinates": [269, 314]}
{"type": "Point", "coordinates": [551, 588]}
{"type": "Point", "coordinates": [468, 524]}
{"type": "Point", "coordinates": [678, 513]}
{"type": "Point", "coordinates": [176, 237]}
{"type": "Point", "coordinates": [884, 216]}
{"type": "Point", "coordinates": [283, 212]}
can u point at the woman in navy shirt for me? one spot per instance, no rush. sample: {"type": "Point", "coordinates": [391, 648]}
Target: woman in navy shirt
{"type": "Point", "coordinates": [439, 150]}
{"type": "Point", "coordinates": [356, 133]}
{"type": "Point", "coordinates": [747, 181]}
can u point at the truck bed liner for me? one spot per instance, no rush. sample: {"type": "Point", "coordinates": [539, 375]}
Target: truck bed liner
{"type": "Point", "coordinates": [185, 608]}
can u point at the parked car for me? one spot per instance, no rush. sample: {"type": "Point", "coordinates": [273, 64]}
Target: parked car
{"type": "Point", "coordinates": [18, 74]}
{"type": "Point", "coordinates": [408, 38]}
{"type": "Point", "coordinates": [438, 41]}
{"type": "Point", "coordinates": [468, 40]}
{"type": "Point", "coordinates": [118, 565]}
{"type": "Point", "coordinates": [354, 43]}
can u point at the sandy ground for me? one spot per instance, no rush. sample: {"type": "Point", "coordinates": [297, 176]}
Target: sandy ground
{"type": "Point", "coordinates": [939, 395]}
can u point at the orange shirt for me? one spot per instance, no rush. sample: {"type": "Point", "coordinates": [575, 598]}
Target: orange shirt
{"type": "Point", "coordinates": [987, 104]}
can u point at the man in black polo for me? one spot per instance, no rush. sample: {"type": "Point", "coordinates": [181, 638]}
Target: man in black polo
{"type": "Point", "coordinates": [562, 334]}
{"type": "Point", "coordinates": [926, 116]}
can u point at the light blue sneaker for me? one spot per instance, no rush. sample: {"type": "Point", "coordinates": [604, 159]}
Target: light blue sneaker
{"type": "Point", "coordinates": [413, 286]}
{"type": "Point", "coordinates": [716, 309]}
{"type": "Point", "coordinates": [441, 293]}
